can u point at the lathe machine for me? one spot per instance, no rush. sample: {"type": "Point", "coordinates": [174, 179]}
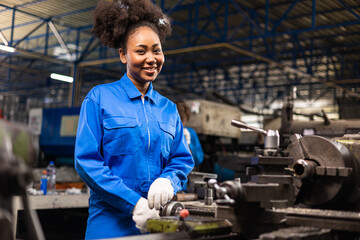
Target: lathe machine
{"type": "Point", "coordinates": [309, 190]}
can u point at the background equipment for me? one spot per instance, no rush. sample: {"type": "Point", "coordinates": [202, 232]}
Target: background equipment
{"type": "Point", "coordinates": [18, 154]}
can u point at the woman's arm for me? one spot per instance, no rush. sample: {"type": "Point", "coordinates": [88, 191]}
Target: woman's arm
{"type": "Point", "coordinates": [180, 161]}
{"type": "Point", "coordinates": [90, 165]}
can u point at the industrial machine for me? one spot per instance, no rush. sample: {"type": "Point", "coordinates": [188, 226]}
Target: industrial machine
{"type": "Point", "coordinates": [56, 130]}
{"type": "Point", "coordinates": [326, 127]}
{"type": "Point", "coordinates": [212, 118]}
{"type": "Point", "coordinates": [309, 190]}
{"type": "Point", "coordinates": [18, 153]}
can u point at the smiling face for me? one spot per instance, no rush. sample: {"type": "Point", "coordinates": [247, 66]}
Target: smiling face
{"type": "Point", "coordinates": [143, 56]}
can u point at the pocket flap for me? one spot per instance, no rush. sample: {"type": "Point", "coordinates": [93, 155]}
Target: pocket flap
{"type": "Point", "coordinates": [168, 128]}
{"type": "Point", "coordinates": [119, 122]}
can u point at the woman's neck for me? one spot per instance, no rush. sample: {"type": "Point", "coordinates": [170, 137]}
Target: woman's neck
{"type": "Point", "coordinates": [141, 86]}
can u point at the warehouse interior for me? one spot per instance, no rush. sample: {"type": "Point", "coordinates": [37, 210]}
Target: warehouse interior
{"type": "Point", "coordinates": [289, 70]}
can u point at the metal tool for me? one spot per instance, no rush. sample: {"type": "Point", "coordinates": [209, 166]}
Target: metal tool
{"type": "Point", "coordinates": [208, 200]}
{"type": "Point", "coordinates": [198, 183]}
{"type": "Point", "coordinates": [225, 194]}
{"type": "Point", "coordinates": [171, 208]}
{"type": "Point", "coordinates": [182, 197]}
{"type": "Point", "coordinates": [272, 137]}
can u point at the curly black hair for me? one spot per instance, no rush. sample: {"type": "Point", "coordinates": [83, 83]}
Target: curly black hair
{"type": "Point", "coordinates": [115, 20]}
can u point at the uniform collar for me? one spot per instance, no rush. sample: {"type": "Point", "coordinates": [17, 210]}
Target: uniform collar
{"type": "Point", "coordinates": [133, 92]}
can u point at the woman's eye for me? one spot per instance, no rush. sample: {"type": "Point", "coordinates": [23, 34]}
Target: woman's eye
{"type": "Point", "coordinates": [157, 51]}
{"type": "Point", "coordinates": [140, 51]}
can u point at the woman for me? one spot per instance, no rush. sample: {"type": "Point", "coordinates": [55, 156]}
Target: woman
{"type": "Point", "coordinates": [130, 147]}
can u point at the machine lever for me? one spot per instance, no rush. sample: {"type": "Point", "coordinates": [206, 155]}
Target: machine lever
{"type": "Point", "coordinates": [221, 192]}
{"type": "Point", "coordinates": [241, 124]}
{"type": "Point", "coordinates": [272, 137]}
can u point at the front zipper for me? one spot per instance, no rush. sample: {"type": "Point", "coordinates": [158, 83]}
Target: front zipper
{"type": "Point", "coordinates": [148, 130]}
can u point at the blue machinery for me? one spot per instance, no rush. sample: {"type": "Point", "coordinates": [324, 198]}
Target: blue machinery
{"type": "Point", "coordinates": [58, 131]}
{"type": "Point", "coordinates": [250, 53]}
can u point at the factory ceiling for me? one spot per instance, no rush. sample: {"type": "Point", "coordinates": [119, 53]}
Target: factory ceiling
{"type": "Point", "coordinates": [249, 52]}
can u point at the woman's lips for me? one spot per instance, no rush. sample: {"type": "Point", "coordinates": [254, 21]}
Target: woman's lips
{"type": "Point", "coordinates": [151, 70]}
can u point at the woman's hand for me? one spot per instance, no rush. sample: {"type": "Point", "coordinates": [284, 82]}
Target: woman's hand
{"type": "Point", "coordinates": [161, 191]}
{"type": "Point", "coordinates": [141, 213]}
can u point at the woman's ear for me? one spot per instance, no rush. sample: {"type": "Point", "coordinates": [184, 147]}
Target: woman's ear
{"type": "Point", "coordinates": [122, 55]}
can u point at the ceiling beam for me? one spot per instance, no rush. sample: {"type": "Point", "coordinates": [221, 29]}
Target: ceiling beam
{"type": "Point", "coordinates": [259, 57]}
{"type": "Point", "coordinates": [25, 69]}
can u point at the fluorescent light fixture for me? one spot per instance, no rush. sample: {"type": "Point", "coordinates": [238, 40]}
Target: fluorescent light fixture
{"type": "Point", "coordinates": [62, 77]}
{"type": "Point", "coordinates": [7, 48]}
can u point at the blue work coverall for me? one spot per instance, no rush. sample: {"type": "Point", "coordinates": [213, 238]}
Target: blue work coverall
{"type": "Point", "coordinates": [123, 144]}
{"type": "Point", "coordinates": [195, 147]}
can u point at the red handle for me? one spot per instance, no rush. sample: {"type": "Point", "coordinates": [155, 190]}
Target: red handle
{"type": "Point", "coordinates": [184, 213]}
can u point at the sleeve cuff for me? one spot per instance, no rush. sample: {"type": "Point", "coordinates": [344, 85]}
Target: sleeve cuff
{"type": "Point", "coordinates": [128, 207]}
{"type": "Point", "coordinates": [174, 180]}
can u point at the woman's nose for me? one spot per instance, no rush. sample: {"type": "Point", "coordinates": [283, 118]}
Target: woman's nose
{"type": "Point", "coordinates": [150, 59]}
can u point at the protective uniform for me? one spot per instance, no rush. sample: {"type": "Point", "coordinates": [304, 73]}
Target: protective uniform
{"type": "Point", "coordinates": [125, 142]}
{"type": "Point", "coordinates": [195, 147]}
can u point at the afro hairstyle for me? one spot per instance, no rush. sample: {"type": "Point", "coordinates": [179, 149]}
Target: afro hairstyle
{"type": "Point", "coordinates": [114, 20]}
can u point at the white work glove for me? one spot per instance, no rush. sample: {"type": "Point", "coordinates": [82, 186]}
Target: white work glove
{"type": "Point", "coordinates": [160, 192]}
{"type": "Point", "coordinates": [187, 136]}
{"type": "Point", "coordinates": [141, 213]}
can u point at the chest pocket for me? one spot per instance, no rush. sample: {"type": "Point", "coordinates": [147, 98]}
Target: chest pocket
{"type": "Point", "coordinates": [167, 137]}
{"type": "Point", "coordinates": [121, 135]}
